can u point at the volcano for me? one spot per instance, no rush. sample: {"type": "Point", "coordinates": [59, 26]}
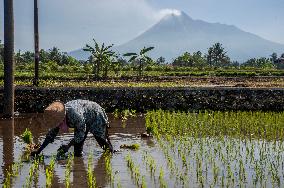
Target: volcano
{"type": "Point", "coordinates": [176, 33]}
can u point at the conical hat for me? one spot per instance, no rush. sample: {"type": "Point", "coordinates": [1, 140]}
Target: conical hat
{"type": "Point", "coordinates": [56, 111]}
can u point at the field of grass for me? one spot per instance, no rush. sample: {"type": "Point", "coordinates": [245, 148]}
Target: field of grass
{"type": "Point", "coordinates": [153, 79]}
{"type": "Point", "coordinates": [182, 71]}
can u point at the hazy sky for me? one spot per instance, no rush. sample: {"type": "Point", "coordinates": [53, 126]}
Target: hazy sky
{"type": "Point", "coordinates": [70, 24]}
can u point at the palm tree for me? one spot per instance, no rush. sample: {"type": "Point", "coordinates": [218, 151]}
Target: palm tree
{"type": "Point", "coordinates": [36, 42]}
{"type": "Point", "coordinates": [8, 107]}
{"type": "Point", "coordinates": [141, 57]}
{"type": "Point", "coordinates": [102, 58]}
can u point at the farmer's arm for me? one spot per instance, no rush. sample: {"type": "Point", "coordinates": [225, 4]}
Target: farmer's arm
{"type": "Point", "coordinates": [52, 133]}
{"type": "Point", "coordinates": [74, 120]}
{"type": "Point", "coordinates": [65, 148]}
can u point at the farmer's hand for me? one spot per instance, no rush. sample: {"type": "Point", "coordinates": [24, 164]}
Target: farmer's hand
{"type": "Point", "coordinates": [34, 153]}
{"type": "Point", "coordinates": [63, 149]}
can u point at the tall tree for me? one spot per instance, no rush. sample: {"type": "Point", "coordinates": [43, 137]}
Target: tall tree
{"type": "Point", "coordinates": [209, 57]}
{"type": "Point", "coordinates": [36, 43]}
{"type": "Point", "coordinates": [8, 102]}
{"type": "Point", "coordinates": [141, 58]}
{"type": "Point", "coordinates": [217, 56]}
{"type": "Point", "coordinates": [55, 55]}
{"type": "Point", "coordinates": [274, 57]}
{"type": "Point", "coordinates": [160, 61]}
{"type": "Point", "coordinates": [190, 60]}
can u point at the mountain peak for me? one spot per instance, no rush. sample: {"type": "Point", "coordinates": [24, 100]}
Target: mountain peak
{"type": "Point", "coordinates": [176, 15]}
{"type": "Point", "coordinates": [177, 33]}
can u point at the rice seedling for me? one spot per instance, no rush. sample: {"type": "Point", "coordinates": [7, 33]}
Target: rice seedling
{"type": "Point", "coordinates": [49, 172]}
{"type": "Point", "coordinates": [135, 170]}
{"type": "Point", "coordinates": [150, 163]}
{"type": "Point", "coordinates": [118, 184]}
{"type": "Point", "coordinates": [161, 178]}
{"type": "Point", "coordinates": [27, 136]}
{"type": "Point", "coordinates": [116, 113]}
{"type": "Point", "coordinates": [91, 176]}
{"type": "Point", "coordinates": [68, 170]}
{"type": "Point", "coordinates": [7, 181]}
{"type": "Point", "coordinates": [132, 146]}
{"type": "Point", "coordinates": [143, 184]}
{"type": "Point", "coordinates": [107, 157]}
{"type": "Point", "coordinates": [125, 114]}
{"type": "Point", "coordinates": [30, 146]}
{"type": "Point", "coordinates": [220, 148]}
{"type": "Point", "coordinates": [33, 173]}
{"type": "Point", "coordinates": [11, 172]}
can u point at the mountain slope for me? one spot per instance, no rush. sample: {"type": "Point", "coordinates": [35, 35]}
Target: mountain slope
{"type": "Point", "coordinates": [176, 34]}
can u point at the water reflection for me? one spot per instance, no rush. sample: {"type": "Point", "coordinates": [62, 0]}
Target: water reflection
{"type": "Point", "coordinates": [100, 173]}
{"type": "Point", "coordinates": [79, 173]}
{"type": "Point", "coordinates": [7, 135]}
{"type": "Point", "coordinates": [11, 148]}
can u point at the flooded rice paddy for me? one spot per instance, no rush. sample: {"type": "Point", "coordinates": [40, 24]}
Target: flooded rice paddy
{"type": "Point", "coordinates": [203, 149]}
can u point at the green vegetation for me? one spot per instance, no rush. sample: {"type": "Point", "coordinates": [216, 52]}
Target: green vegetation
{"type": "Point", "coordinates": [124, 115]}
{"type": "Point", "coordinates": [202, 149]}
{"type": "Point", "coordinates": [141, 59]}
{"type": "Point", "coordinates": [132, 146]}
{"type": "Point", "coordinates": [134, 169]}
{"type": "Point", "coordinates": [13, 171]}
{"type": "Point", "coordinates": [68, 170]}
{"type": "Point", "coordinates": [267, 78]}
{"type": "Point", "coordinates": [90, 173]}
{"type": "Point", "coordinates": [27, 136]}
{"type": "Point", "coordinates": [58, 69]}
{"type": "Point", "coordinates": [33, 173]}
{"type": "Point", "coordinates": [107, 158]}
{"type": "Point", "coordinates": [258, 125]}
{"type": "Point", "coordinates": [224, 149]}
{"type": "Point", "coordinates": [102, 58]}
{"type": "Point", "coordinates": [49, 171]}
{"type": "Point", "coordinates": [150, 163]}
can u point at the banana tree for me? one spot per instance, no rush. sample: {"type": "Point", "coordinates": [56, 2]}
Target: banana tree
{"type": "Point", "coordinates": [141, 58]}
{"type": "Point", "coordinates": [102, 58]}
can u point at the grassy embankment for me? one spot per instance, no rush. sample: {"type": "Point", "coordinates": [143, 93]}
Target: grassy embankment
{"type": "Point", "coordinates": [194, 78]}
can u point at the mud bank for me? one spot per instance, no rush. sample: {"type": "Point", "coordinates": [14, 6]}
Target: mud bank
{"type": "Point", "coordinates": [31, 100]}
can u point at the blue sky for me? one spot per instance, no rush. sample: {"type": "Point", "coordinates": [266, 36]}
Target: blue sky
{"type": "Point", "coordinates": [70, 24]}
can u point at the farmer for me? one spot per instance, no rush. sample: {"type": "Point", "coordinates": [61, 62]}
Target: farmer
{"type": "Point", "coordinates": [82, 115]}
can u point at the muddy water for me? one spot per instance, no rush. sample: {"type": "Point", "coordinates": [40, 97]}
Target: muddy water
{"type": "Point", "coordinates": [179, 161]}
{"type": "Point", "coordinates": [11, 149]}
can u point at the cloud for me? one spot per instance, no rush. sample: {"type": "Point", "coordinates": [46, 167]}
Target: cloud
{"type": "Point", "coordinates": [164, 12]}
{"type": "Point", "coordinates": [70, 24]}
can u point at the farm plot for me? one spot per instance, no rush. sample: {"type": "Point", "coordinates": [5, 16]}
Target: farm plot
{"type": "Point", "coordinates": [194, 149]}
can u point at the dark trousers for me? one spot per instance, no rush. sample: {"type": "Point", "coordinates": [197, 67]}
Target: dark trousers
{"type": "Point", "coordinates": [104, 144]}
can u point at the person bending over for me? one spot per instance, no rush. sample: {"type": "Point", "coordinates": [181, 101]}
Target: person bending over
{"type": "Point", "coordinates": [82, 115]}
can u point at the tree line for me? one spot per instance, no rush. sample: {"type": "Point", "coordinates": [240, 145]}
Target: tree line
{"type": "Point", "coordinates": [103, 59]}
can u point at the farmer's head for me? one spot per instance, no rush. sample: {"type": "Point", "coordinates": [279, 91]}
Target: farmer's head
{"type": "Point", "coordinates": [55, 113]}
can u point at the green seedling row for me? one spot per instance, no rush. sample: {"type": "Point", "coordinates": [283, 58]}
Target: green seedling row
{"type": "Point", "coordinates": [221, 149]}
